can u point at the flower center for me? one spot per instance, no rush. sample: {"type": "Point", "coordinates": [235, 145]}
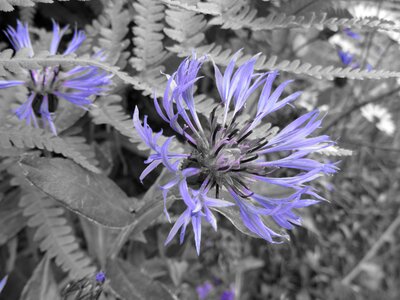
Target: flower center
{"type": "Point", "coordinates": [37, 103]}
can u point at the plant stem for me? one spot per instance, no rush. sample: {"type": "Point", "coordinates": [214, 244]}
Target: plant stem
{"type": "Point", "coordinates": [372, 252]}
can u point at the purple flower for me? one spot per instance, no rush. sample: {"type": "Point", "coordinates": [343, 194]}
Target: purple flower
{"type": "Point", "coordinates": [204, 290]}
{"type": "Point", "coordinates": [100, 277]}
{"type": "Point", "coordinates": [228, 295]}
{"type": "Point", "coordinates": [47, 86]}
{"type": "Point", "coordinates": [345, 57]}
{"type": "Point", "coordinates": [3, 283]}
{"type": "Point", "coordinates": [352, 34]}
{"type": "Point", "coordinates": [231, 152]}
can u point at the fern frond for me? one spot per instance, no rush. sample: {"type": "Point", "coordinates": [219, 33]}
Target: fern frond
{"type": "Point", "coordinates": [26, 14]}
{"type": "Point", "coordinates": [108, 110]}
{"type": "Point", "coordinates": [21, 61]}
{"type": "Point", "coordinates": [53, 233]}
{"type": "Point", "coordinates": [234, 15]}
{"type": "Point", "coordinates": [239, 14]}
{"type": "Point", "coordinates": [335, 151]}
{"type": "Point", "coordinates": [185, 27]}
{"type": "Point", "coordinates": [71, 147]}
{"type": "Point", "coordinates": [149, 52]}
{"type": "Point", "coordinates": [199, 7]}
{"type": "Point", "coordinates": [222, 56]}
{"type": "Point", "coordinates": [7, 5]}
{"type": "Point", "coordinates": [108, 33]}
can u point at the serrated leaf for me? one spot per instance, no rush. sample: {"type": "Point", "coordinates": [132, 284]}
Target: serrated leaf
{"type": "Point", "coordinates": [93, 196]}
{"type": "Point", "coordinates": [129, 283]}
{"type": "Point", "coordinates": [41, 285]}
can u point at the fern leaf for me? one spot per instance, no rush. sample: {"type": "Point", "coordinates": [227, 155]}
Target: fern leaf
{"type": "Point", "coordinates": [71, 147]}
{"type": "Point", "coordinates": [7, 5]}
{"type": "Point", "coordinates": [234, 15]}
{"type": "Point", "coordinates": [26, 14]}
{"type": "Point", "coordinates": [239, 14]}
{"type": "Point", "coordinates": [108, 110]}
{"type": "Point", "coordinates": [109, 31]}
{"type": "Point", "coordinates": [149, 52]}
{"type": "Point", "coordinates": [335, 151]}
{"type": "Point", "coordinates": [222, 56]}
{"type": "Point", "coordinates": [185, 27]}
{"type": "Point", "coordinates": [199, 7]}
{"type": "Point", "coordinates": [21, 61]}
{"type": "Point", "coordinates": [53, 233]}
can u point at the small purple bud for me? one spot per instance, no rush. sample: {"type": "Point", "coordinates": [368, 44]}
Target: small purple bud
{"type": "Point", "coordinates": [352, 34]}
{"type": "Point", "coordinates": [203, 290]}
{"type": "Point", "coordinates": [100, 277]}
{"type": "Point", "coordinates": [228, 295]}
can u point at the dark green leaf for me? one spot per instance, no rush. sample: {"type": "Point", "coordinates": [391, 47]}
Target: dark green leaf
{"type": "Point", "coordinates": [129, 283]}
{"type": "Point", "coordinates": [41, 285]}
{"type": "Point", "coordinates": [93, 196]}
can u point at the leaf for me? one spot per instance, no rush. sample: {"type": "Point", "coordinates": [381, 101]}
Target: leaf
{"type": "Point", "coordinates": [99, 240]}
{"type": "Point", "coordinates": [335, 151]}
{"type": "Point", "coordinates": [108, 110]}
{"type": "Point", "coordinates": [41, 285]}
{"type": "Point", "coordinates": [22, 61]}
{"type": "Point", "coordinates": [131, 284]}
{"type": "Point", "coordinates": [153, 205]}
{"type": "Point", "coordinates": [149, 52]}
{"type": "Point", "coordinates": [93, 196]}
{"type": "Point", "coordinates": [7, 5]}
{"type": "Point", "coordinates": [199, 7]}
{"type": "Point", "coordinates": [148, 213]}
{"type": "Point", "coordinates": [185, 27]}
{"type": "Point", "coordinates": [108, 33]}
{"type": "Point", "coordinates": [73, 147]}
{"type": "Point", "coordinates": [53, 233]}
{"type": "Point", "coordinates": [238, 14]}
{"type": "Point", "coordinates": [11, 217]}
{"type": "Point", "coordinates": [222, 57]}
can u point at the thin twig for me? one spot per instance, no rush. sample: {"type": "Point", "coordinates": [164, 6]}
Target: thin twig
{"type": "Point", "coordinates": [372, 252]}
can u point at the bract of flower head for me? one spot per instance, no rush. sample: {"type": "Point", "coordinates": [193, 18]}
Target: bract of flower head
{"type": "Point", "coordinates": [231, 152]}
{"type": "Point", "coordinates": [47, 86]}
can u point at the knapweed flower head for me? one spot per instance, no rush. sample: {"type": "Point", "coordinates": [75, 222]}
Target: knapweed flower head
{"type": "Point", "coordinates": [231, 152]}
{"type": "Point", "coordinates": [47, 86]}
